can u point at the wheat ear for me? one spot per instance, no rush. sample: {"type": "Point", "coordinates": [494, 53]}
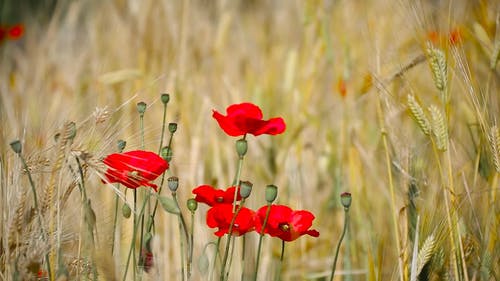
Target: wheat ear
{"type": "Point", "coordinates": [419, 115]}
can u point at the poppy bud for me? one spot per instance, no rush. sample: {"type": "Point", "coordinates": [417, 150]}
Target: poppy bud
{"type": "Point", "coordinates": [173, 183]}
{"type": "Point", "coordinates": [271, 193]}
{"type": "Point", "coordinates": [245, 189]}
{"type": "Point", "coordinates": [121, 145]}
{"type": "Point", "coordinates": [166, 153]}
{"type": "Point", "coordinates": [165, 98]}
{"type": "Point", "coordinates": [16, 146]}
{"type": "Point", "coordinates": [172, 127]}
{"type": "Point", "coordinates": [141, 108]}
{"type": "Point", "coordinates": [241, 147]}
{"type": "Point", "coordinates": [192, 205]}
{"type": "Point", "coordinates": [345, 199]}
{"type": "Point", "coordinates": [126, 211]}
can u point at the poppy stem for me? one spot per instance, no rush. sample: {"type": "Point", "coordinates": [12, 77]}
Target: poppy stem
{"type": "Point", "coordinates": [228, 243]}
{"type": "Point", "coordinates": [115, 220]}
{"type": "Point", "coordinates": [217, 244]}
{"type": "Point", "coordinates": [346, 221]}
{"type": "Point", "coordinates": [191, 243]}
{"type": "Point", "coordinates": [243, 257]}
{"type": "Point", "coordinates": [182, 230]}
{"type": "Point", "coordinates": [268, 211]}
{"type": "Point", "coordinates": [280, 266]}
{"type": "Point", "coordinates": [163, 126]}
{"type": "Point", "coordinates": [35, 201]}
{"type": "Point", "coordinates": [134, 234]}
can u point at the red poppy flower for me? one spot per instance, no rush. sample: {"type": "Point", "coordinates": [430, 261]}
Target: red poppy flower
{"type": "Point", "coordinates": [16, 31]}
{"type": "Point", "coordinates": [220, 216]}
{"type": "Point", "coordinates": [146, 259]}
{"type": "Point", "coordinates": [212, 196]}
{"type": "Point", "coordinates": [134, 168]}
{"type": "Point", "coordinates": [246, 118]}
{"type": "Point", "coordinates": [285, 223]}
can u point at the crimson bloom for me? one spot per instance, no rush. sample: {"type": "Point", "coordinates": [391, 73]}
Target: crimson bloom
{"type": "Point", "coordinates": [246, 118]}
{"type": "Point", "coordinates": [212, 196]}
{"type": "Point", "coordinates": [134, 168]}
{"type": "Point", "coordinates": [16, 31]}
{"type": "Point", "coordinates": [285, 223]}
{"type": "Point", "coordinates": [220, 216]}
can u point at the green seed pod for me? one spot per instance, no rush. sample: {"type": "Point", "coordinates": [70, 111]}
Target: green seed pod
{"type": "Point", "coordinates": [192, 205]}
{"type": "Point", "coordinates": [172, 127]}
{"type": "Point", "coordinates": [173, 183]}
{"type": "Point", "coordinates": [121, 145]}
{"type": "Point", "coordinates": [141, 108]}
{"type": "Point", "coordinates": [166, 153]}
{"type": "Point", "coordinates": [271, 193]}
{"type": "Point", "coordinates": [241, 147]}
{"type": "Point", "coordinates": [16, 146]}
{"type": "Point", "coordinates": [126, 211]}
{"type": "Point", "coordinates": [245, 189]}
{"type": "Point", "coordinates": [165, 98]}
{"type": "Point", "coordinates": [345, 199]}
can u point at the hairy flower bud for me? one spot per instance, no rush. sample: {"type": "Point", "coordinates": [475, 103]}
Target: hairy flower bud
{"type": "Point", "coordinates": [241, 147]}
{"type": "Point", "coordinates": [192, 204]}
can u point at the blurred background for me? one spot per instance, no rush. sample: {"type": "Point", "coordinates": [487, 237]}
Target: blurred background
{"type": "Point", "coordinates": [338, 72]}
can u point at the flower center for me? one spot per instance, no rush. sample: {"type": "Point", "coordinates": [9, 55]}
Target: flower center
{"type": "Point", "coordinates": [134, 175]}
{"type": "Point", "coordinates": [284, 227]}
{"type": "Point", "coordinates": [219, 199]}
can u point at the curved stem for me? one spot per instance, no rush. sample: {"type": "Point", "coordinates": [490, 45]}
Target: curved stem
{"type": "Point", "coordinates": [346, 221]}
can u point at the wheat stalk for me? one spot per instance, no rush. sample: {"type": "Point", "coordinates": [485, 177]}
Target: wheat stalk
{"type": "Point", "coordinates": [439, 69]}
{"type": "Point", "coordinates": [419, 115]}
{"type": "Point", "coordinates": [494, 140]}
{"type": "Point", "coordinates": [425, 253]}
{"type": "Point", "coordinates": [439, 128]}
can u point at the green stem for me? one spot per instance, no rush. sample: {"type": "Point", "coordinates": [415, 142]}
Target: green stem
{"type": "Point", "coordinates": [182, 248]}
{"type": "Point", "coordinates": [346, 220]}
{"type": "Point", "coordinates": [217, 244]}
{"type": "Point", "coordinates": [191, 243]}
{"type": "Point", "coordinates": [280, 266]}
{"type": "Point", "coordinates": [243, 257]}
{"type": "Point", "coordinates": [38, 213]}
{"type": "Point", "coordinates": [132, 246]}
{"type": "Point", "coordinates": [115, 220]}
{"type": "Point", "coordinates": [268, 211]}
{"type": "Point", "coordinates": [163, 127]}
{"type": "Point", "coordinates": [229, 236]}
{"type": "Point", "coordinates": [182, 230]}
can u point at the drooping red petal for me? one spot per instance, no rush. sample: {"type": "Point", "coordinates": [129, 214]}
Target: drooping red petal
{"type": "Point", "coordinates": [273, 126]}
{"type": "Point", "coordinates": [134, 168]}
{"type": "Point", "coordinates": [301, 220]}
